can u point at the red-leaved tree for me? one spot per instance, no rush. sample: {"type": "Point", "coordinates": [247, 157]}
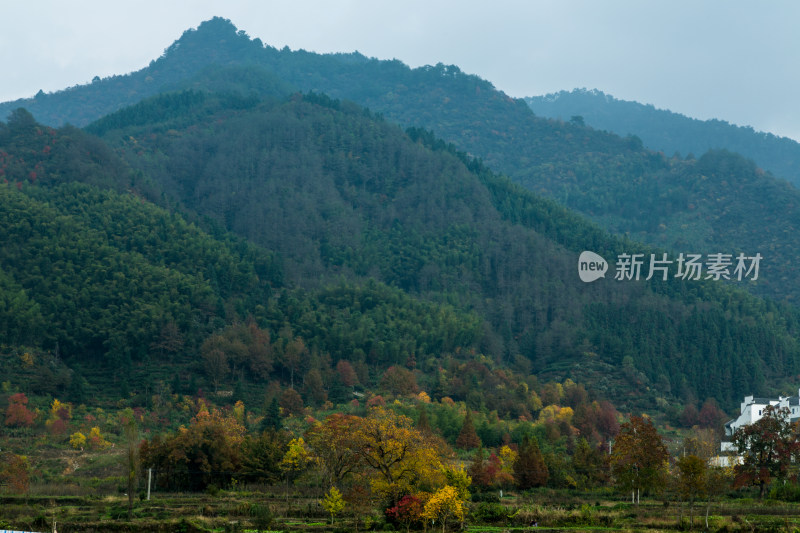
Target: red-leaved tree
{"type": "Point", "coordinates": [18, 414]}
{"type": "Point", "coordinates": [767, 448]}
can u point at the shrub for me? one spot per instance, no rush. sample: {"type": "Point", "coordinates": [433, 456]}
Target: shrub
{"type": "Point", "coordinates": [490, 513]}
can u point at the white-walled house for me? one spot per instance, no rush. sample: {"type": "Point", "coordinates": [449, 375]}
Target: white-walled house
{"type": "Point", "coordinates": [752, 409]}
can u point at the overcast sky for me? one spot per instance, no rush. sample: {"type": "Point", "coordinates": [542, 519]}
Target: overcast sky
{"type": "Point", "coordinates": [729, 59]}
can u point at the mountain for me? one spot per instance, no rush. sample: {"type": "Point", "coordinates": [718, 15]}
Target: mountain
{"type": "Point", "coordinates": [377, 246]}
{"type": "Point", "coordinates": [682, 205]}
{"type": "Point", "coordinates": [339, 193]}
{"type": "Point", "coordinates": [671, 132]}
{"type": "Point", "coordinates": [104, 292]}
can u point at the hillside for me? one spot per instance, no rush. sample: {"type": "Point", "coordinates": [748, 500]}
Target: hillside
{"type": "Point", "coordinates": [615, 181]}
{"type": "Point", "coordinates": [109, 294]}
{"type": "Point", "coordinates": [339, 193]}
{"type": "Point", "coordinates": [670, 132]}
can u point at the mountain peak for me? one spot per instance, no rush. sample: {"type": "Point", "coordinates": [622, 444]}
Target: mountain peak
{"type": "Point", "coordinates": [214, 31]}
{"type": "Point", "coordinates": [215, 27]}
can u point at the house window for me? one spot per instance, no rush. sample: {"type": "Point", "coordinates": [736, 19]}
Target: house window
{"type": "Point", "coordinates": [759, 412]}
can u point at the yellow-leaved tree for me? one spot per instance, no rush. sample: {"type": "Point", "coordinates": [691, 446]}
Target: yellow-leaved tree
{"type": "Point", "coordinates": [333, 502]}
{"type": "Point", "coordinates": [399, 456]}
{"type": "Point", "coordinates": [77, 440]}
{"type": "Point", "coordinates": [296, 459]}
{"type": "Point", "coordinates": [444, 504]}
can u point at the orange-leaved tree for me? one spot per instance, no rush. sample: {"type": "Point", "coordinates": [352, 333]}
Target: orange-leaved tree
{"type": "Point", "coordinates": [333, 444]}
{"type": "Point", "coordinates": [205, 453]}
{"type": "Point", "coordinates": [639, 457]}
{"type": "Point", "coordinates": [14, 472]}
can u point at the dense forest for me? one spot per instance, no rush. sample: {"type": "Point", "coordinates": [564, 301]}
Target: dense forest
{"type": "Point", "coordinates": [716, 204]}
{"type": "Point", "coordinates": [338, 207]}
{"type": "Point", "coordinates": [670, 132]}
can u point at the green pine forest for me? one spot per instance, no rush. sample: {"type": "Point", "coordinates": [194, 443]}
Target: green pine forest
{"type": "Point", "coordinates": [288, 213]}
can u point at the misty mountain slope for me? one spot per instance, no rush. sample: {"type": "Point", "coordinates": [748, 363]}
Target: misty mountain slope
{"type": "Point", "coordinates": [670, 132]}
{"type": "Point", "coordinates": [613, 180]}
{"type": "Point", "coordinates": [340, 193]}
{"type": "Point", "coordinates": [218, 44]}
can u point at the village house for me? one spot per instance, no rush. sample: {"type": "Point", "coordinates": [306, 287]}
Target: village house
{"type": "Point", "coordinates": [751, 411]}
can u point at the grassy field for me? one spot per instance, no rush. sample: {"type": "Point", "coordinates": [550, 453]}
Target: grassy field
{"type": "Point", "coordinates": [267, 510]}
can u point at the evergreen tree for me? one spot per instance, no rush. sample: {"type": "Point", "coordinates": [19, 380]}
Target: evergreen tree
{"type": "Point", "coordinates": [272, 417]}
{"type": "Point", "coordinates": [423, 424]}
{"type": "Point", "coordinates": [468, 438]}
{"type": "Point", "coordinates": [529, 467]}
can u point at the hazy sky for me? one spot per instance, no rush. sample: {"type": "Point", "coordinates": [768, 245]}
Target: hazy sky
{"type": "Point", "coordinates": [729, 59]}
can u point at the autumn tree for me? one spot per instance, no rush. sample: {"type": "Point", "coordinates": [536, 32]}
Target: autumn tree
{"type": "Point", "coordinates": [239, 349]}
{"type": "Point", "coordinates": [215, 363]}
{"type": "Point", "coordinates": [18, 414]}
{"type": "Point", "coordinates": [294, 357]}
{"type": "Point", "coordinates": [314, 387]}
{"type": "Point", "coordinates": [444, 504]}
{"type": "Point", "coordinates": [77, 440]}
{"type": "Point", "coordinates": [169, 340]}
{"type": "Point", "coordinates": [14, 472]}
{"type": "Point", "coordinates": [423, 424]}
{"type": "Point", "coordinates": [711, 416]}
{"type": "Point", "coordinates": [60, 414]}
{"type": "Point", "coordinates": [691, 480]}
{"type": "Point", "coordinates": [96, 439]}
{"type": "Point", "coordinates": [408, 511]}
{"type": "Point", "coordinates": [639, 457]}
{"type": "Point", "coordinates": [689, 417]}
{"type": "Point", "coordinates": [333, 502]}
{"type": "Point", "coordinates": [767, 448]}
{"type": "Point", "coordinates": [703, 442]}
{"type": "Point", "coordinates": [399, 381]}
{"type": "Point", "coordinates": [291, 403]}
{"type": "Point", "coordinates": [718, 481]}
{"type": "Point", "coordinates": [296, 459]}
{"type": "Point", "coordinates": [596, 421]}
{"type": "Point", "coordinates": [347, 373]}
{"type": "Point", "coordinates": [207, 452]}
{"type": "Point", "coordinates": [332, 442]}
{"type": "Point", "coordinates": [400, 457]}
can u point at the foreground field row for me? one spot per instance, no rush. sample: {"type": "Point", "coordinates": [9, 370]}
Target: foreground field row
{"type": "Point", "coordinates": [230, 511]}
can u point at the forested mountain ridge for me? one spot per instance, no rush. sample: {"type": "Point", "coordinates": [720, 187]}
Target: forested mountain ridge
{"type": "Point", "coordinates": [340, 195]}
{"type": "Point", "coordinates": [670, 132]}
{"type": "Point", "coordinates": [339, 192]}
{"type": "Point", "coordinates": [668, 202]}
{"type": "Point", "coordinates": [104, 293]}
